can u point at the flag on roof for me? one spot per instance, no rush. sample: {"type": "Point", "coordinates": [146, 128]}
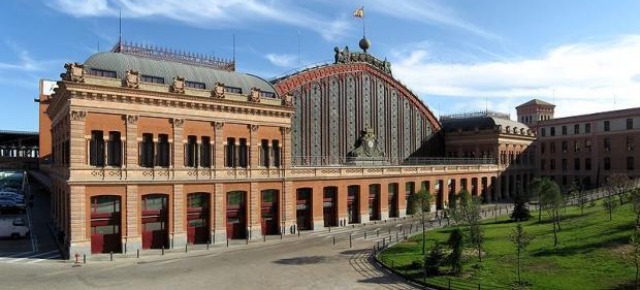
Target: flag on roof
{"type": "Point", "coordinates": [359, 13]}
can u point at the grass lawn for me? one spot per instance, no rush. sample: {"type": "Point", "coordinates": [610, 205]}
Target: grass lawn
{"type": "Point", "coordinates": [592, 253]}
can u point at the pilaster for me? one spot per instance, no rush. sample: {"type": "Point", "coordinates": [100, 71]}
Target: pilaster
{"type": "Point", "coordinates": [179, 233]}
{"type": "Point", "coordinates": [178, 145]}
{"type": "Point", "coordinates": [133, 239]}
{"type": "Point", "coordinates": [218, 147]}
{"type": "Point", "coordinates": [78, 148]}
{"type": "Point", "coordinates": [289, 207]}
{"type": "Point", "coordinates": [219, 229]}
{"type": "Point", "coordinates": [79, 241]}
{"type": "Point", "coordinates": [255, 225]}
{"type": "Point", "coordinates": [131, 148]}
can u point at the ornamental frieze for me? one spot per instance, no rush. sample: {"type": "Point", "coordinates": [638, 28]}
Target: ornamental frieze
{"type": "Point", "coordinates": [74, 73]}
{"type": "Point", "coordinates": [178, 85]}
{"type": "Point", "coordinates": [132, 79]}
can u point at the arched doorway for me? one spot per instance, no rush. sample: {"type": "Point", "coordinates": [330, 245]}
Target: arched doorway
{"type": "Point", "coordinates": [155, 221]}
{"type": "Point", "coordinates": [105, 224]}
{"type": "Point", "coordinates": [237, 214]}
{"type": "Point", "coordinates": [393, 200]}
{"type": "Point", "coordinates": [303, 208]}
{"type": "Point", "coordinates": [353, 204]}
{"type": "Point", "coordinates": [374, 202]}
{"type": "Point", "coordinates": [198, 228]}
{"type": "Point", "coordinates": [329, 206]}
{"type": "Point", "coordinates": [269, 212]}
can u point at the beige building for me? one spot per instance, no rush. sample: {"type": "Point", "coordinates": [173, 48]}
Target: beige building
{"type": "Point", "coordinates": [152, 149]}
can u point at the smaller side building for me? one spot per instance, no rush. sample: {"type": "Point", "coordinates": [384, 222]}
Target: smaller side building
{"type": "Point", "coordinates": [535, 111]}
{"type": "Point", "coordinates": [584, 150]}
{"type": "Point", "coordinates": [494, 136]}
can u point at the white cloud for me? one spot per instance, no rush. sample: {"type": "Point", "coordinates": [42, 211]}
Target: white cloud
{"type": "Point", "coordinates": [282, 60]}
{"type": "Point", "coordinates": [429, 12]}
{"type": "Point", "coordinates": [24, 62]}
{"type": "Point", "coordinates": [579, 78]}
{"type": "Point", "coordinates": [212, 13]}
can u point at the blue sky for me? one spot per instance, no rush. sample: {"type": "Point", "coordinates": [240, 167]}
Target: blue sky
{"type": "Point", "coordinates": [457, 55]}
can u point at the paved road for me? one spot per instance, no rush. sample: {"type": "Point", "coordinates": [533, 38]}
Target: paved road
{"type": "Point", "coordinates": [307, 262]}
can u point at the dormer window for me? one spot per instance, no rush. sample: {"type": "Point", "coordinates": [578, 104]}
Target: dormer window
{"type": "Point", "coordinates": [233, 90]}
{"type": "Point", "coordinates": [195, 85]}
{"type": "Point", "coordinates": [152, 79]}
{"type": "Point", "coordinates": [267, 95]}
{"type": "Point", "coordinates": [103, 73]}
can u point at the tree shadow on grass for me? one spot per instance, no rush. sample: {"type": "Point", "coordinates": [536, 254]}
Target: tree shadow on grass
{"type": "Point", "coordinates": [573, 250]}
{"type": "Point", "coordinates": [629, 285]}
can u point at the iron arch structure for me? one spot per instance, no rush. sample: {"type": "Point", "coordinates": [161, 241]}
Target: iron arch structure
{"type": "Point", "coordinates": [335, 102]}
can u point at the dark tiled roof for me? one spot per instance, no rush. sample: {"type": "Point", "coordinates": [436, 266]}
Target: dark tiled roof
{"type": "Point", "coordinates": [480, 122]}
{"type": "Point", "coordinates": [168, 70]}
{"type": "Point", "coordinates": [536, 102]}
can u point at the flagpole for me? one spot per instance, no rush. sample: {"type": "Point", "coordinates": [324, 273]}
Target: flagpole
{"type": "Point", "coordinates": [363, 19]}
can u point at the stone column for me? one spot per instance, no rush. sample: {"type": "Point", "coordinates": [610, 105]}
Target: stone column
{"type": "Point", "coordinates": [254, 224]}
{"type": "Point", "coordinates": [218, 146]}
{"type": "Point", "coordinates": [402, 198]}
{"type": "Point", "coordinates": [288, 207]}
{"type": "Point", "coordinates": [219, 229]}
{"type": "Point", "coordinates": [80, 242]}
{"type": "Point", "coordinates": [254, 147]}
{"type": "Point", "coordinates": [384, 201]}
{"type": "Point", "coordinates": [179, 235]}
{"type": "Point", "coordinates": [132, 240]}
{"type": "Point", "coordinates": [131, 147]}
{"type": "Point", "coordinates": [178, 145]}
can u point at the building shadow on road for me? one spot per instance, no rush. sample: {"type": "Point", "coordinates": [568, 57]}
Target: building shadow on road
{"type": "Point", "coordinates": [307, 260]}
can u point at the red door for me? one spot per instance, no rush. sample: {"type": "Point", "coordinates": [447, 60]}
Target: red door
{"type": "Point", "coordinates": [155, 234]}
{"type": "Point", "coordinates": [198, 218]}
{"type": "Point", "coordinates": [393, 203]}
{"type": "Point", "coordinates": [329, 207]}
{"type": "Point", "coordinates": [105, 224]}
{"type": "Point", "coordinates": [269, 212]}
{"type": "Point", "coordinates": [353, 204]}
{"type": "Point", "coordinates": [236, 215]}
{"type": "Point", "coordinates": [303, 209]}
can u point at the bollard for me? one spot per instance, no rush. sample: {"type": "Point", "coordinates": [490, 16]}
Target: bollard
{"type": "Point", "coordinates": [246, 241]}
{"type": "Point", "coordinates": [281, 235]}
{"type": "Point", "coordinates": [84, 259]}
{"type": "Point", "coordinates": [411, 228]}
{"type": "Point", "coordinates": [77, 257]}
{"type": "Point", "coordinates": [384, 243]}
{"type": "Point", "coordinates": [208, 244]}
{"type": "Point", "coordinates": [389, 230]}
{"type": "Point", "coordinates": [298, 233]}
{"type": "Point", "coordinates": [365, 235]}
{"type": "Point", "coordinates": [138, 253]}
{"type": "Point", "coordinates": [163, 250]}
{"type": "Point", "coordinates": [397, 236]}
{"type": "Point", "coordinates": [264, 238]}
{"type": "Point", "coordinates": [111, 256]}
{"type": "Point", "coordinates": [350, 243]}
{"type": "Point", "coordinates": [186, 248]}
{"type": "Point", "coordinates": [329, 229]}
{"type": "Point", "coordinates": [377, 232]}
{"type": "Point", "coordinates": [227, 243]}
{"type": "Point", "coordinates": [334, 240]}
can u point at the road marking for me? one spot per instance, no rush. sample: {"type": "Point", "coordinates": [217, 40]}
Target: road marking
{"type": "Point", "coordinates": [36, 261]}
{"type": "Point", "coordinates": [16, 260]}
{"type": "Point", "coordinates": [43, 254]}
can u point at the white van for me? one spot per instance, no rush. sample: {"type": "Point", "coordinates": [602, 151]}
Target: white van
{"type": "Point", "coordinates": [13, 228]}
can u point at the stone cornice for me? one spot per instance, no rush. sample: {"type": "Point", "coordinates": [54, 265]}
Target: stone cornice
{"type": "Point", "coordinates": [287, 84]}
{"type": "Point", "coordinates": [137, 96]}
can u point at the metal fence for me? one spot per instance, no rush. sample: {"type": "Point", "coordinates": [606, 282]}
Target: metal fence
{"type": "Point", "coordinates": [321, 161]}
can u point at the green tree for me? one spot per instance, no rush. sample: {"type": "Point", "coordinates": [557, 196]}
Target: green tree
{"type": "Point", "coordinates": [421, 202]}
{"type": "Point", "coordinates": [456, 244]}
{"type": "Point", "coordinates": [468, 212]}
{"type": "Point", "coordinates": [610, 204]}
{"type": "Point", "coordinates": [520, 210]}
{"type": "Point", "coordinates": [536, 187]}
{"type": "Point", "coordinates": [580, 197]}
{"type": "Point", "coordinates": [434, 260]}
{"type": "Point", "coordinates": [552, 201]}
{"type": "Point", "coordinates": [618, 185]}
{"type": "Point", "coordinates": [521, 240]}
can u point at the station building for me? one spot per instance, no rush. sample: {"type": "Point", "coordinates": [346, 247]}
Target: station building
{"type": "Point", "coordinates": [584, 150]}
{"type": "Point", "coordinates": [156, 149]}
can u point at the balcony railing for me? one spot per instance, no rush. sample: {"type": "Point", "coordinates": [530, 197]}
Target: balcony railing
{"type": "Point", "coordinates": [321, 161]}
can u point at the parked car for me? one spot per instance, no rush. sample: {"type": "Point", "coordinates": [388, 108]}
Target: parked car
{"type": "Point", "coordinates": [13, 228]}
{"type": "Point", "coordinates": [11, 194]}
{"type": "Point", "coordinates": [8, 205]}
